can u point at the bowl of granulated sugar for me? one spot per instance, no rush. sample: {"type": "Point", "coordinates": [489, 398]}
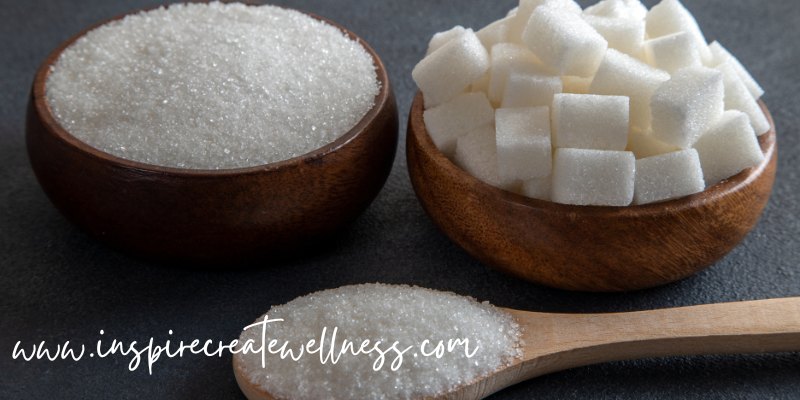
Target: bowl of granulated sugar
{"type": "Point", "coordinates": [210, 133]}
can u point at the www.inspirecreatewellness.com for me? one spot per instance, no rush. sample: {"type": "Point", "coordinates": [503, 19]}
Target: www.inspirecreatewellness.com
{"type": "Point", "coordinates": [153, 352]}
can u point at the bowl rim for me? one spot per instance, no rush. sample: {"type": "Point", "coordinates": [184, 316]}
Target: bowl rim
{"type": "Point", "coordinates": [315, 156]}
{"type": "Point", "coordinates": [767, 142]}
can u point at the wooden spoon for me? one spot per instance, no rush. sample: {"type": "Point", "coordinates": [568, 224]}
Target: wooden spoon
{"type": "Point", "coordinates": [555, 342]}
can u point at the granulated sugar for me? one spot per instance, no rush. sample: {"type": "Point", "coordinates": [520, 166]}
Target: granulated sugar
{"type": "Point", "coordinates": [386, 313]}
{"type": "Point", "coordinates": [212, 86]}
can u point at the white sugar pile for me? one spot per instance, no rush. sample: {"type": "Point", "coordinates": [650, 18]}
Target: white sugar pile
{"type": "Point", "coordinates": [386, 313]}
{"type": "Point", "coordinates": [618, 82]}
{"type": "Point", "coordinates": [212, 86]}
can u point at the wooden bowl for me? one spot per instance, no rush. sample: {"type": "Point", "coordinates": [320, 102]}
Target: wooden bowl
{"type": "Point", "coordinates": [587, 248]}
{"type": "Point", "coordinates": [212, 216]}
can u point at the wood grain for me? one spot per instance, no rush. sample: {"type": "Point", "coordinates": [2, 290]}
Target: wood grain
{"type": "Point", "coordinates": [587, 248]}
{"type": "Point", "coordinates": [212, 217]}
{"type": "Point", "coordinates": [555, 342]}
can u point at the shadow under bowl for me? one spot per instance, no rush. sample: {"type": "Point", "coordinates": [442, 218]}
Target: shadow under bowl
{"type": "Point", "coordinates": [587, 248]}
{"type": "Point", "coordinates": [212, 217]}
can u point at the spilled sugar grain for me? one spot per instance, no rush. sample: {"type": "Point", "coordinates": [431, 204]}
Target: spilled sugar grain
{"type": "Point", "coordinates": [212, 86]}
{"type": "Point", "coordinates": [388, 313]}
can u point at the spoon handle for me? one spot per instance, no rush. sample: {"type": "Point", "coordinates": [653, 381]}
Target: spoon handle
{"type": "Point", "coordinates": [559, 341]}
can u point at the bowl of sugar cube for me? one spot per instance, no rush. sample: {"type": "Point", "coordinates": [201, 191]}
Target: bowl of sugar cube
{"type": "Point", "coordinates": [212, 134]}
{"type": "Point", "coordinates": [603, 149]}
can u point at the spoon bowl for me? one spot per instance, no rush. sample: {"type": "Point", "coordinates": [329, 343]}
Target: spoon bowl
{"type": "Point", "coordinates": [587, 248]}
{"type": "Point", "coordinates": [212, 217]}
{"type": "Point", "coordinates": [555, 342]}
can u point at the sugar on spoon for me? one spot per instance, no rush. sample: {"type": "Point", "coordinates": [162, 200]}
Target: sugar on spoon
{"type": "Point", "coordinates": [555, 342]}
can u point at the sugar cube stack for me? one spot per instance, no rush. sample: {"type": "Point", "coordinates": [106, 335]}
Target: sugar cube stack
{"type": "Point", "coordinates": [440, 39]}
{"type": "Point", "coordinates": [670, 16]}
{"type": "Point", "coordinates": [644, 145]}
{"type": "Point", "coordinates": [525, 10]}
{"type": "Point", "coordinates": [502, 56]}
{"type": "Point", "coordinates": [538, 188]}
{"type": "Point", "coordinates": [523, 142]}
{"type": "Point", "coordinates": [575, 84]}
{"type": "Point", "coordinates": [618, 9]}
{"type": "Point", "coordinates": [636, 10]}
{"type": "Point", "coordinates": [565, 42]}
{"type": "Point", "coordinates": [611, 106]}
{"type": "Point", "coordinates": [482, 84]}
{"type": "Point", "coordinates": [668, 176]}
{"type": "Point", "coordinates": [451, 68]}
{"type": "Point", "coordinates": [728, 148]}
{"type": "Point", "coordinates": [455, 118]}
{"type": "Point", "coordinates": [672, 52]}
{"type": "Point", "coordinates": [720, 55]}
{"type": "Point", "coordinates": [738, 97]}
{"type": "Point", "coordinates": [476, 154]}
{"type": "Point", "coordinates": [687, 106]}
{"type": "Point", "coordinates": [494, 33]}
{"type": "Point", "coordinates": [593, 177]}
{"type": "Point", "coordinates": [530, 84]}
{"type": "Point", "coordinates": [622, 75]}
{"type": "Point", "coordinates": [585, 121]}
{"type": "Point", "coordinates": [623, 34]}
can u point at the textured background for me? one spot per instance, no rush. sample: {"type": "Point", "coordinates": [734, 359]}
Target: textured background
{"type": "Point", "coordinates": [57, 284]}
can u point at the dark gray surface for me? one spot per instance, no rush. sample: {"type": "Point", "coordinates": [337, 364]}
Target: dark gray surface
{"type": "Point", "coordinates": [56, 284]}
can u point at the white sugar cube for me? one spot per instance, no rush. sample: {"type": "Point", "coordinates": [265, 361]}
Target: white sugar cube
{"type": "Point", "coordinates": [721, 55]}
{"type": "Point", "coordinates": [687, 106]}
{"type": "Point", "coordinates": [476, 154]}
{"type": "Point", "coordinates": [523, 142]}
{"type": "Point", "coordinates": [494, 33]}
{"type": "Point", "coordinates": [644, 145]}
{"type": "Point", "coordinates": [538, 188]}
{"type": "Point", "coordinates": [593, 177]}
{"type": "Point", "coordinates": [458, 116]}
{"type": "Point", "coordinates": [440, 39]}
{"type": "Point", "coordinates": [728, 148]}
{"type": "Point", "coordinates": [564, 41]}
{"type": "Point", "coordinates": [451, 68]}
{"type": "Point", "coordinates": [619, 9]}
{"type": "Point", "coordinates": [526, 8]}
{"type": "Point", "coordinates": [609, 9]}
{"type": "Point", "coordinates": [482, 85]}
{"type": "Point", "coordinates": [625, 35]}
{"type": "Point", "coordinates": [575, 84]}
{"type": "Point", "coordinates": [737, 97]}
{"type": "Point", "coordinates": [668, 176]}
{"type": "Point", "coordinates": [502, 55]}
{"type": "Point", "coordinates": [636, 9]}
{"type": "Point", "coordinates": [427, 101]}
{"type": "Point", "coordinates": [670, 16]}
{"type": "Point", "coordinates": [672, 52]}
{"type": "Point", "coordinates": [530, 85]}
{"type": "Point", "coordinates": [585, 121]}
{"type": "Point", "coordinates": [622, 75]}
